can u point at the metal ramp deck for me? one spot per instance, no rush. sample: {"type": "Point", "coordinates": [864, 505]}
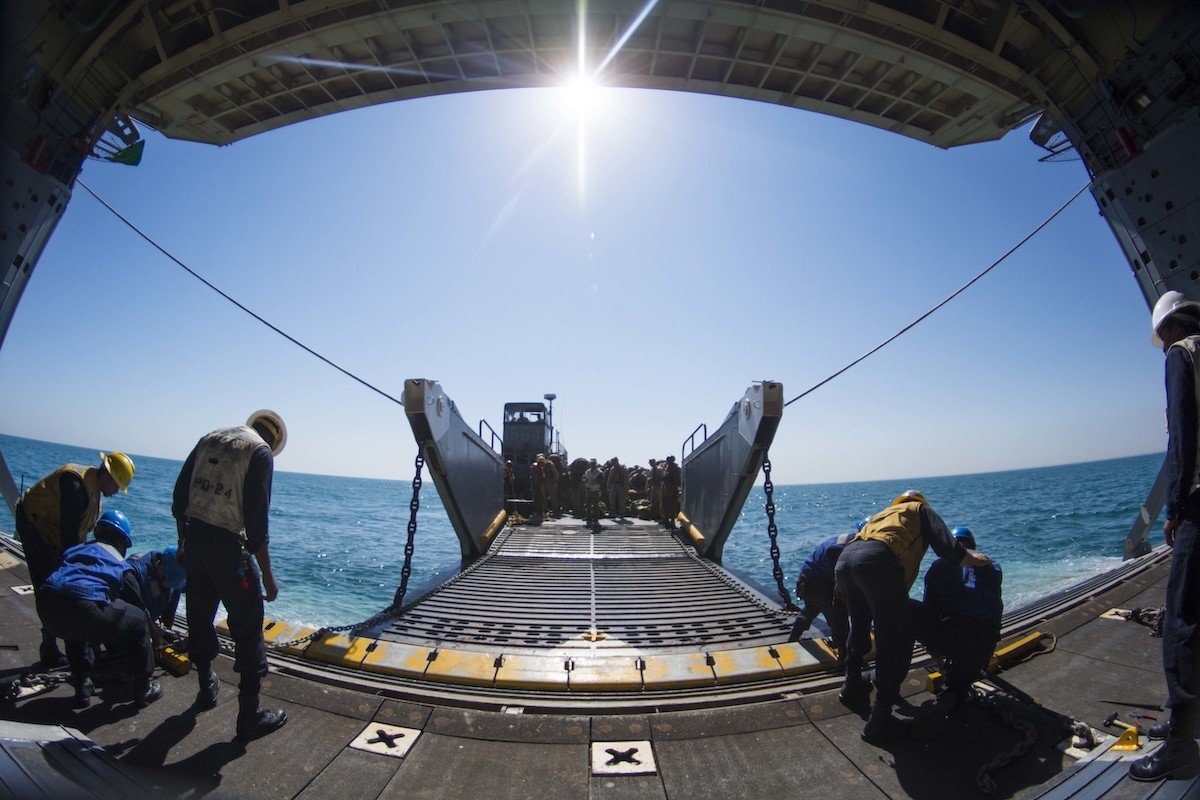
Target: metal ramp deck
{"type": "Point", "coordinates": [561, 586]}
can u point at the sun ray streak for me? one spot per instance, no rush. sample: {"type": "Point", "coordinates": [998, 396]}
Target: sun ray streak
{"type": "Point", "coordinates": [637, 23]}
{"type": "Point", "coordinates": [353, 67]}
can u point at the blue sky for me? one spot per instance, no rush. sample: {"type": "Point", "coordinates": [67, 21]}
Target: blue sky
{"type": "Point", "coordinates": [709, 242]}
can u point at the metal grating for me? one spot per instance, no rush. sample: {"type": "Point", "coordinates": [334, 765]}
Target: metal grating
{"type": "Point", "coordinates": [555, 587]}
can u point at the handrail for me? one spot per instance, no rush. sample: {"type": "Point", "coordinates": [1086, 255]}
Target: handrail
{"type": "Point", "coordinates": [495, 436]}
{"type": "Point", "coordinates": [691, 439]}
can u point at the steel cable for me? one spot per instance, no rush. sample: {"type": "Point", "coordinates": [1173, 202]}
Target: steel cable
{"type": "Point", "coordinates": [950, 297]}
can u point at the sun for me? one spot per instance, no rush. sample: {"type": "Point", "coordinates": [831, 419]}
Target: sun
{"type": "Point", "coordinates": [581, 94]}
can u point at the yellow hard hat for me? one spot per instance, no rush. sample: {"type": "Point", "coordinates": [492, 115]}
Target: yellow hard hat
{"type": "Point", "coordinates": [120, 467]}
{"type": "Point", "coordinates": [911, 496]}
{"type": "Point", "coordinates": [272, 423]}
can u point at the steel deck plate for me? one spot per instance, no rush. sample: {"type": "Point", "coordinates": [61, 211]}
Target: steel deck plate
{"type": "Point", "coordinates": [563, 587]}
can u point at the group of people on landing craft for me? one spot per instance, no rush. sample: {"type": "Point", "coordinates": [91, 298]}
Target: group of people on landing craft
{"type": "Point", "coordinates": [93, 592]}
{"type": "Point", "coordinates": [591, 490]}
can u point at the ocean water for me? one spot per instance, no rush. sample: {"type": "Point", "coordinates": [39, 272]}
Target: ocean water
{"type": "Point", "coordinates": [337, 543]}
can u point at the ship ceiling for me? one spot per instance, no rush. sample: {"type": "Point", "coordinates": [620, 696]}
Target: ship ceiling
{"type": "Point", "coordinates": [946, 72]}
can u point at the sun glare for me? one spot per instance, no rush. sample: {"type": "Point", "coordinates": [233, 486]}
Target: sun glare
{"type": "Point", "coordinates": [581, 94]}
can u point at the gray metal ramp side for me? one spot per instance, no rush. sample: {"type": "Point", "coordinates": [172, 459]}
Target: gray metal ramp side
{"type": "Point", "coordinates": [56, 762]}
{"type": "Point", "coordinates": [1095, 776]}
{"type": "Point", "coordinates": [1176, 790]}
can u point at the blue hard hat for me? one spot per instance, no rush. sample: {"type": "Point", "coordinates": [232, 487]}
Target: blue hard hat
{"type": "Point", "coordinates": [862, 523]}
{"type": "Point", "coordinates": [964, 533]}
{"type": "Point", "coordinates": [176, 576]}
{"type": "Point", "coordinates": [118, 524]}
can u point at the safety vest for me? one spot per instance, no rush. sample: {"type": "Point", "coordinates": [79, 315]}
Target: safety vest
{"type": "Point", "coordinates": [43, 503]}
{"type": "Point", "coordinates": [89, 571]}
{"type": "Point", "coordinates": [1191, 345]}
{"type": "Point", "coordinates": [218, 474]}
{"type": "Point", "coordinates": [899, 527]}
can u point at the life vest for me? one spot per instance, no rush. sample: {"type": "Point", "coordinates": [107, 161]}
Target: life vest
{"type": "Point", "coordinates": [899, 527]}
{"type": "Point", "coordinates": [218, 474]}
{"type": "Point", "coordinates": [43, 503]}
{"type": "Point", "coordinates": [1191, 345]}
{"type": "Point", "coordinates": [89, 571]}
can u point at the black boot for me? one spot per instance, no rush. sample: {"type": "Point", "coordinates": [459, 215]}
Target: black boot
{"type": "Point", "coordinates": [1177, 758]}
{"type": "Point", "coordinates": [883, 725]}
{"type": "Point", "coordinates": [254, 722]}
{"type": "Point", "coordinates": [145, 694]}
{"type": "Point", "coordinates": [1159, 730]}
{"type": "Point", "coordinates": [210, 686]}
{"type": "Point", "coordinates": [49, 656]}
{"type": "Point", "coordinates": [856, 691]}
{"type": "Point", "coordinates": [84, 689]}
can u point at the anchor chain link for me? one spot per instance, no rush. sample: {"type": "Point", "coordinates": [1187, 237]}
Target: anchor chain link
{"type": "Point", "coordinates": [414, 505]}
{"type": "Point", "coordinates": [1028, 732]}
{"type": "Point", "coordinates": [773, 535]}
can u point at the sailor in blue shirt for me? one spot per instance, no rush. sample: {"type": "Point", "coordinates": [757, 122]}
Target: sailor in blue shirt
{"type": "Point", "coordinates": [161, 579]}
{"type": "Point", "coordinates": [960, 620]}
{"type": "Point", "coordinates": [815, 587]}
{"type": "Point", "coordinates": [94, 598]}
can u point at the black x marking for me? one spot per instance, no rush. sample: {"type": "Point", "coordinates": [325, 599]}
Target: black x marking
{"type": "Point", "coordinates": [382, 737]}
{"type": "Point", "coordinates": [621, 756]}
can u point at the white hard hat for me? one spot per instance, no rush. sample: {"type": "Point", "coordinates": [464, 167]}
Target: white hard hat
{"type": "Point", "coordinates": [1167, 305]}
{"type": "Point", "coordinates": [274, 424]}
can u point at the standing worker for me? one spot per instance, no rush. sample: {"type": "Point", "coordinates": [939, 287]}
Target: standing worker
{"type": "Point", "coordinates": [56, 513]}
{"type": "Point", "coordinates": [1176, 329]}
{"type": "Point", "coordinates": [593, 480]}
{"type": "Point", "coordinates": [874, 574]}
{"type": "Point", "coordinates": [671, 481]}
{"type": "Point", "coordinates": [220, 506]}
{"type": "Point", "coordinates": [537, 482]}
{"type": "Point", "coordinates": [618, 488]}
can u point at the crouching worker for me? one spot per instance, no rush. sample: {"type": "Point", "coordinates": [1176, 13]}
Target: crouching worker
{"type": "Point", "coordinates": [94, 598]}
{"type": "Point", "coordinates": [961, 619]}
{"type": "Point", "coordinates": [815, 587]}
{"type": "Point", "coordinates": [161, 579]}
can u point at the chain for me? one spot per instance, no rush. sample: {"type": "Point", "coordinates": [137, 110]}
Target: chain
{"type": "Point", "coordinates": [773, 534]}
{"type": "Point", "coordinates": [984, 779]}
{"type": "Point", "coordinates": [10, 688]}
{"type": "Point", "coordinates": [414, 505]}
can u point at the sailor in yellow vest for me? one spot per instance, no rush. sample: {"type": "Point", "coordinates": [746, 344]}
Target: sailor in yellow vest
{"type": "Point", "coordinates": [874, 574]}
{"type": "Point", "coordinates": [222, 497]}
{"type": "Point", "coordinates": [58, 512]}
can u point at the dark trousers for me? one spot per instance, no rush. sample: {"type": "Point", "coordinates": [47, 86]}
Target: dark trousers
{"type": "Point", "coordinates": [870, 578]}
{"type": "Point", "coordinates": [41, 559]}
{"type": "Point", "coordinates": [964, 643]}
{"type": "Point", "coordinates": [591, 505]}
{"type": "Point", "coordinates": [1181, 624]}
{"type": "Point", "coordinates": [670, 504]}
{"type": "Point", "coordinates": [119, 626]}
{"type": "Point", "coordinates": [819, 599]}
{"type": "Point", "coordinates": [216, 574]}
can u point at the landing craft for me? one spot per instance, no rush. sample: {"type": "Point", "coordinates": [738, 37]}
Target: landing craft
{"type": "Point", "coordinates": [515, 637]}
